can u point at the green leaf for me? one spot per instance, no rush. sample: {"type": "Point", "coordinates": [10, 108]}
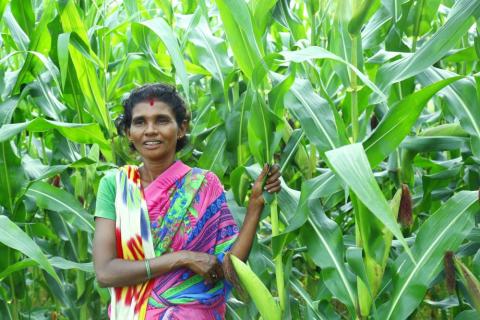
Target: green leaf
{"type": "Point", "coordinates": [467, 315]}
{"type": "Point", "coordinates": [264, 130]}
{"type": "Point", "coordinates": [166, 34]}
{"type": "Point", "coordinates": [7, 108]}
{"type": "Point", "coordinates": [87, 76]}
{"type": "Point", "coordinates": [36, 170]}
{"type": "Point", "coordinates": [81, 133]}
{"type": "Point", "coordinates": [398, 121]}
{"type": "Point", "coordinates": [443, 231]}
{"type": "Point", "coordinates": [351, 164]}
{"type": "Point", "coordinates": [436, 143]}
{"type": "Point", "coordinates": [61, 263]}
{"type": "Point", "coordinates": [38, 46]}
{"type": "Point", "coordinates": [298, 287]}
{"type": "Point", "coordinates": [314, 114]}
{"type": "Point", "coordinates": [322, 186]}
{"type": "Point", "coordinates": [446, 37]}
{"type": "Point", "coordinates": [17, 266]}
{"type": "Point", "coordinates": [11, 176]}
{"type": "Point", "coordinates": [325, 246]}
{"type": "Point", "coordinates": [49, 197]}
{"type": "Point", "coordinates": [19, 36]}
{"type": "Point", "coordinates": [214, 156]}
{"type": "Point", "coordinates": [360, 15]}
{"type": "Point", "coordinates": [311, 53]}
{"type": "Point", "coordinates": [471, 283]}
{"type": "Point", "coordinates": [262, 13]}
{"type": "Point", "coordinates": [461, 97]}
{"type": "Point", "coordinates": [211, 51]}
{"type": "Point", "coordinates": [23, 12]}
{"type": "Point", "coordinates": [240, 32]}
{"type": "Point", "coordinates": [14, 237]}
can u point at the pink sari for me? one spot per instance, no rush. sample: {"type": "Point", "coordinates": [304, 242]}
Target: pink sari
{"type": "Point", "coordinates": [207, 226]}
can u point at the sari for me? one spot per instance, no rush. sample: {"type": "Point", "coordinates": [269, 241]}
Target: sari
{"type": "Point", "coordinates": [182, 209]}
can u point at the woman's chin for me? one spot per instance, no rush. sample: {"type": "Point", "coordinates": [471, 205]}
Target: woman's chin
{"type": "Point", "coordinates": [156, 154]}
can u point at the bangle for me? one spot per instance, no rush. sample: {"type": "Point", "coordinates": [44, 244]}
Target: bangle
{"type": "Point", "coordinates": [147, 267]}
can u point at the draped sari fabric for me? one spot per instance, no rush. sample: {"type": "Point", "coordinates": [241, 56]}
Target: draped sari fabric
{"type": "Point", "coordinates": [182, 209]}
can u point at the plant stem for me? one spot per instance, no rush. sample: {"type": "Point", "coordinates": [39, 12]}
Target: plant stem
{"type": "Point", "coordinates": [354, 100]}
{"type": "Point", "coordinates": [44, 150]}
{"type": "Point", "coordinates": [278, 260]}
{"type": "Point", "coordinates": [12, 288]}
{"type": "Point", "coordinates": [416, 28]}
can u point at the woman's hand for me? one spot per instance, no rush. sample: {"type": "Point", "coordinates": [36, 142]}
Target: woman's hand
{"type": "Point", "coordinates": [206, 265]}
{"type": "Point", "coordinates": [272, 184]}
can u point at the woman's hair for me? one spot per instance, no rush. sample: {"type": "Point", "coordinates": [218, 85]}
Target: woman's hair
{"type": "Point", "coordinates": [155, 91]}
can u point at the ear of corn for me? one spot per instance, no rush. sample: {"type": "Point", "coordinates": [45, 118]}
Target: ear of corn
{"type": "Point", "coordinates": [471, 283]}
{"type": "Point", "coordinates": [260, 295]}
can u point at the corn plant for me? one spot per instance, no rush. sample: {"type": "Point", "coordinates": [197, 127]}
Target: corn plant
{"type": "Point", "coordinates": [371, 108]}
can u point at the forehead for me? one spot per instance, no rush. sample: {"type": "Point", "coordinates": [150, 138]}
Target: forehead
{"type": "Point", "coordinates": [151, 108]}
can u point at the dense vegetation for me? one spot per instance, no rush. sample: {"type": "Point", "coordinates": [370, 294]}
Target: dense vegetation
{"type": "Point", "coordinates": [372, 109]}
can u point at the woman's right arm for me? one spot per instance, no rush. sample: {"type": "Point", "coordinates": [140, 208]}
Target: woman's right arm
{"type": "Point", "coordinates": [114, 272]}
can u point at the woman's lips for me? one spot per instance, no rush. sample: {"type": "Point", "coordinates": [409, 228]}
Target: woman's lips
{"type": "Point", "coordinates": [151, 144]}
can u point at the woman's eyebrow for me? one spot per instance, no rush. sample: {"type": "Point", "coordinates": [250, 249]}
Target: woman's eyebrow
{"type": "Point", "coordinates": [156, 116]}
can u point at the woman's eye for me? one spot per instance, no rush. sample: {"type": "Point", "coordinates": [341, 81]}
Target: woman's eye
{"type": "Point", "coordinates": [138, 122]}
{"type": "Point", "coordinates": [163, 120]}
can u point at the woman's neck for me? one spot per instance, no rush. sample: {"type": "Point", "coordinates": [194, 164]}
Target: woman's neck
{"type": "Point", "coordinates": [152, 169]}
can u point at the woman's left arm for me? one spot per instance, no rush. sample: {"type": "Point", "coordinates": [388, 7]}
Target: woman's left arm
{"type": "Point", "coordinates": [243, 244]}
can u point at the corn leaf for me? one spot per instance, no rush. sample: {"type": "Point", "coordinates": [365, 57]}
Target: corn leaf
{"type": "Point", "coordinates": [350, 163]}
{"type": "Point", "coordinates": [397, 123]}
{"type": "Point", "coordinates": [443, 231]}
{"type": "Point", "coordinates": [15, 238]}
{"type": "Point", "coordinates": [459, 21]}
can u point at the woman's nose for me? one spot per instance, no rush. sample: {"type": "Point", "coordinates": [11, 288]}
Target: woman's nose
{"type": "Point", "coordinates": [151, 128]}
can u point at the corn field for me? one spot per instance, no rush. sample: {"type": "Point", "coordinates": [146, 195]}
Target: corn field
{"type": "Point", "coordinates": [371, 108]}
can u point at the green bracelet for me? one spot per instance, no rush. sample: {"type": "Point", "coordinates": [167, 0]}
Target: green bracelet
{"type": "Point", "coordinates": [147, 266]}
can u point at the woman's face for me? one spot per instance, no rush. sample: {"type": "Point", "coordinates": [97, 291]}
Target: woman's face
{"type": "Point", "coordinates": [154, 131]}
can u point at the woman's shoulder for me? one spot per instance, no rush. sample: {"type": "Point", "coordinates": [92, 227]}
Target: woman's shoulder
{"type": "Point", "coordinates": [211, 182]}
{"type": "Point", "coordinates": [212, 179]}
{"type": "Point", "coordinates": [108, 181]}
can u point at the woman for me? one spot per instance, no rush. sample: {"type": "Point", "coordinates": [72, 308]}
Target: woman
{"type": "Point", "coordinates": [162, 229]}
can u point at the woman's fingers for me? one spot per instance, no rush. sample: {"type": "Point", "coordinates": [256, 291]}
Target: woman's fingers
{"type": "Point", "coordinates": [274, 169]}
{"type": "Point", "coordinates": [264, 172]}
{"type": "Point", "coordinates": [213, 271]}
{"type": "Point", "coordinates": [275, 177]}
{"type": "Point", "coordinates": [219, 271]}
{"type": "Point", "coordinates": [273, 187]}
{"type": "Point", "coordinates": [273, 182]}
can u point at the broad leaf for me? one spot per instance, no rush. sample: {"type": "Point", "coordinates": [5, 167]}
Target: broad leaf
{"type": "Point", "coordinates": [325, 246]}
{"type": "Point", "coordinates": [14, 237]}
{"type": "Point", "coordinates": [166, 34]}
{"type": "Point", "coordinates": [397, 123]}
{"type": "Point", "coordinates": [459, 21]}
{"type": "Point", "coordinates": [238, 25]}
{"type": "Point", "coordinates": [443, 231]}
{"type": "Point", "coordinates": [58, 200]}
{"type": "Point", "coordinates": [351, 164]}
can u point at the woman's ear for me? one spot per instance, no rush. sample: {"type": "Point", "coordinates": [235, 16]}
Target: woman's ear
{"type": "Point", "coordinates": [182, 130]}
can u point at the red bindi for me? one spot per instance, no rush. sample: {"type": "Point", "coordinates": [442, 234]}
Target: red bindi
{"type": "Point", "coordinates": [152, 102]}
